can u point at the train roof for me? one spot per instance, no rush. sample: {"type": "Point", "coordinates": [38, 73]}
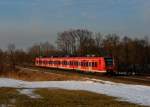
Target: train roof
{"type": "Point", "coordinates": [89, 57]}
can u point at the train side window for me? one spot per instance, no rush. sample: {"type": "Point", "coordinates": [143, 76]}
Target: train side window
{"type": "Point", "coordinates": [64, 62]}
{"type": "Point", "coordinates": [81, 63]}
{"type": "Point", "coordinates": [87, 64]}
{"type": "Point", "coordinates": [51, 62]}
{"type": "Point", "coordinates": [77, 64]}
{"type": "Point", "coordinates": [70, 62]}
{"type": "Point", "coordinates": [84, 64]}
{"type": "Point", "coordinates": [74, 63]}
{"type": "Point", "coordinates": [95, 64]}
{"type": "Point", "coordinates": [40, 62]}
{"type": "Point", "coordinates": [58, 62]}
{"type": "Point", "coordinates": [92, 64]}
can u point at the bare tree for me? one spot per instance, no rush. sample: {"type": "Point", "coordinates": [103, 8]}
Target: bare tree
{"type": "Point", "coordinates": [41, 50]}
{"type": "Point", "coordinates": [99, 44]}
{"type": "Point", "coordinates": [98, 40]}
{"type": "Point", "coordinates": [74, 41]}
{"type": "Point", "coordinates": [1, 60]}
{"type": "Point", "coordinates": [110, 43]}
{"type": "Point", "coordinates": [11, 55]}
{"type": "Point", "coordinates": [21, 57]}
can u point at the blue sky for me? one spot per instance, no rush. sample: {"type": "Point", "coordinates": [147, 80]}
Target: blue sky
{"type": "Point", "coordinates": [25, 22]}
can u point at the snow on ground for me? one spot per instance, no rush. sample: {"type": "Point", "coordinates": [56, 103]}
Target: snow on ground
{"type": "Point", "coordinates": [29, 92]}
{"type": "Point", "coordinates": [138, 94]}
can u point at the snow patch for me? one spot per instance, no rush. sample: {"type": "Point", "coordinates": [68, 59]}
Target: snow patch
{"type": "Point", "coordinates": [138, 94]}
{"type": "Point", "coordinates": [29, 92]}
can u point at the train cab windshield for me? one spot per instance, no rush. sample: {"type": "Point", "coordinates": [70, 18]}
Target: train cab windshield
{"type": "Point", "coordinates": [109, 61]}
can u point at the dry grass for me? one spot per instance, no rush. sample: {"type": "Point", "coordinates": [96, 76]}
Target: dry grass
{"type": "Point", "coordinates": [38, 76]}
{"type": "Point", "coordinates": [69, 98]}
{"type": "Point", "coordinates": [59, 98]}
{"type": "Point", "coordinates": [43, 74]}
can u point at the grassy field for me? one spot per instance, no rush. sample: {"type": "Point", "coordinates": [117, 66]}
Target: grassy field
{"type": "Point", "coordinates": [55, 97]}
{"type": "Point", "coordinates": [29, 75]}
{"type": "Point", "coordinates": [58, 98]}
{"type": "Point", "coordinates": [44, 74]}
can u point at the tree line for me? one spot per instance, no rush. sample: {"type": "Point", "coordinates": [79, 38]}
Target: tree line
{"type": "Point", "coordinates": [126, 51]}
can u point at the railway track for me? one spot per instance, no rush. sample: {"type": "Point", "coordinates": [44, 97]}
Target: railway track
{"type": "Point", "coordinates": [138, 80]}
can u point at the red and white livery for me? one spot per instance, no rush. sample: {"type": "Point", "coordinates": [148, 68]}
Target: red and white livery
{"type": "Point", "coordinates": [86, 64]}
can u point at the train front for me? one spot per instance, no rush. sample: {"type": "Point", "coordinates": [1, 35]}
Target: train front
{"type": "Point", "coordinates": [110, 65]}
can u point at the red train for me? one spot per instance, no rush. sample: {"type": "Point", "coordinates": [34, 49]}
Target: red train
{"type": "Point", "coordinates": [86, 64]}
